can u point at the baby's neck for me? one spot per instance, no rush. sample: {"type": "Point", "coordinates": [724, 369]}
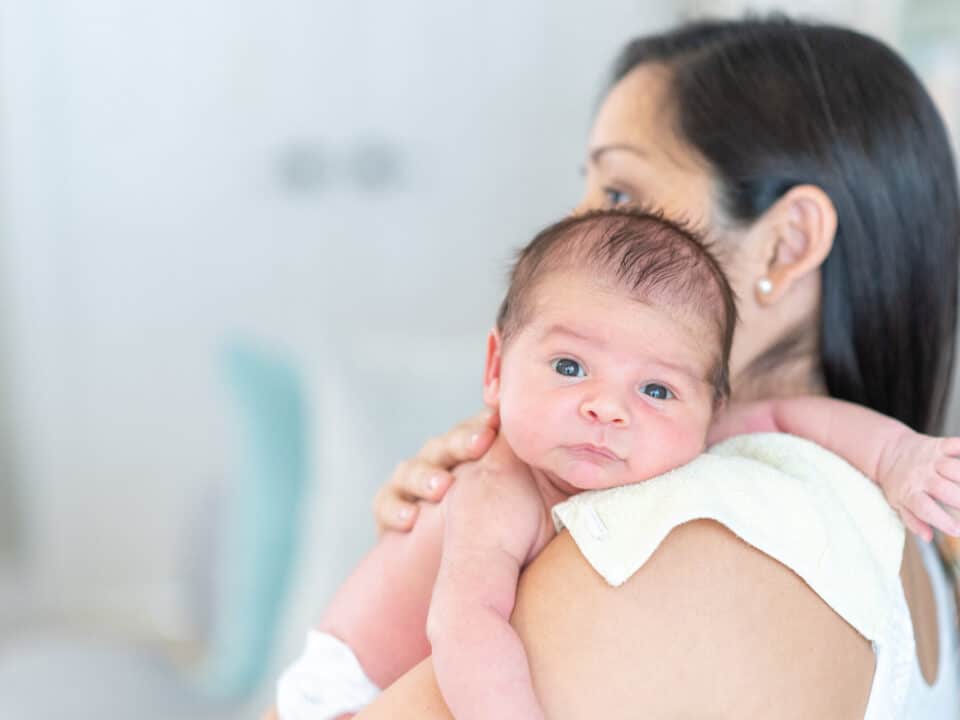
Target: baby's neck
{"type": "Point", "coordinates": [552, 489]}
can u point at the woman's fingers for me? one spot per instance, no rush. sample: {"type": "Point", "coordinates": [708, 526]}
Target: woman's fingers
{"type": "Point", "coordinates": [467, 441]}
{"type": "Point", "coordinates": [420, 480]}
{"type": "Point", "coordinates": [427, 476]}
{"type": "Point", "coordinates": [395, 505]}
{"type": "Point", "coordinates": [392, 511]}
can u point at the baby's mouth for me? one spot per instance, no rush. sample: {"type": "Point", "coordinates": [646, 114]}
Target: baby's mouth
{"type": "Point", "coordinates": [592, 451]}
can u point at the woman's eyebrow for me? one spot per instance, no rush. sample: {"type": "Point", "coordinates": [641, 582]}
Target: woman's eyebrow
{"type": "Point", "coordinates": [598, 152]}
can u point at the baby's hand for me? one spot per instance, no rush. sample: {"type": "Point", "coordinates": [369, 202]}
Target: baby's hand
{"type": "Point", "coordinates": [920, 476]}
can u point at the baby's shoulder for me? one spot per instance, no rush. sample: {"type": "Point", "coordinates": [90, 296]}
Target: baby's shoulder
{"type": "Point", "coordinates": [484, 502]}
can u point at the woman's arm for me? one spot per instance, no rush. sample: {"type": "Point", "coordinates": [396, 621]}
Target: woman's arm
{"type": "Point", "coordinates": [709, 627]}
{"type": "Point", "coordinates": [415, 696]}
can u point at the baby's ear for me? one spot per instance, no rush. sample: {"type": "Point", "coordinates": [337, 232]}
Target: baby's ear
{"type": "Point", "coordinates": [491, 373]}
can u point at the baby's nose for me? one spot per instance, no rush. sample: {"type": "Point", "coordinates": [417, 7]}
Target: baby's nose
{"type": "Point", "coordinates": [605, 410]}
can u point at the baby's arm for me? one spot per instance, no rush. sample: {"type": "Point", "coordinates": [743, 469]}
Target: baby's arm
{"type": "Point", "coordinates": [852, 431]}
{"type": "Point", "coordinates": [381, 610]}
{"type": "Point", "coordinates": [915, 471]}
{"type": "Point", "coordinates": [493, 528]}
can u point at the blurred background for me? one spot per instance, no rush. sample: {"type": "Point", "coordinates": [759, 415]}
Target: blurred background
{"type": "Point", "coordinates": [249, 252]}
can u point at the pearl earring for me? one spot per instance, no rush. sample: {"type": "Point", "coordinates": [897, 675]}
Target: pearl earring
{"type": "Point", "coordinates": [764, 286]}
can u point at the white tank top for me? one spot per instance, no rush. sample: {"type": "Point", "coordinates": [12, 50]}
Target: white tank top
{"type": "Point", "coordinates": [942, 699]}
{"type": "Point", "coordinates": [811, 511]}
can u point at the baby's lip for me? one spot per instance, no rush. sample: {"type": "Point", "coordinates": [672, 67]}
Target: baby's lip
{"type": "Point", "coordinates": [594, 450]}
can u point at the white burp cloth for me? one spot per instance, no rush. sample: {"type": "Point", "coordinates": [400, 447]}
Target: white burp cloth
{"type": "Point", "coordinates": [791, 499]}
{"type": "Point", "coordinates": [325, 682]}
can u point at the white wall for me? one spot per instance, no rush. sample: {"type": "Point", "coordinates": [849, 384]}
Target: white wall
{"type": "Point", "coordinates": [9, 506]}
{"type": "Point", "coordinates": [147, 220]}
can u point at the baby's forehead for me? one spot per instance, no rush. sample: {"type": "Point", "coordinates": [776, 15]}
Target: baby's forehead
{"type": "Point", "coordinates": [559, 291]}
{"type": "Point", "coordinates": [604, 312]}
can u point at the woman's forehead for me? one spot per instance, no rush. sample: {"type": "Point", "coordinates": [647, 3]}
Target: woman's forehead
{"type": "Point", "coordinates": [639, 111]}
{"type": "Point", "coordinates": [635, 111]}
{"type": "Point", "coordinates": [634, 141]}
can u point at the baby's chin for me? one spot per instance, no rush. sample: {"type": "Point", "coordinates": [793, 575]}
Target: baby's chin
{"type": "Point", "coordinates": [583, 474]}
{"type": "Point", "coordinates": [587, 475]}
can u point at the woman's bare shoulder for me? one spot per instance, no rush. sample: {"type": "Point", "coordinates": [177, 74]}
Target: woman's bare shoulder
{"type": "Point", "coordinates": [710, 626]}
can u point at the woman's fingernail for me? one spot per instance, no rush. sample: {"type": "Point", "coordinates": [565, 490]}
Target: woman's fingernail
{"type": "Point", "coordinates": [433, 483]}
{"type": "Point", "coordinates": [403, 513]}
{"type": "Point", "coordinates": [473, 439]}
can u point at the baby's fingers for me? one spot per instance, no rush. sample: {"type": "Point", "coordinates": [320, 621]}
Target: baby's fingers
{"type": "Point", "coordinates": [929, 511]}
{"type": "Point", "coordinates": [950, 446]}
{"type": "Point", "coordinates": [915, 525]}
{"type": "Point", "coordinates": [946, 491]}
{"type": "Point", "coordinates": [948, 467]}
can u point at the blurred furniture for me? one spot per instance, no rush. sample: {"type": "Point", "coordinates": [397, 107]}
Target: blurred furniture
{"type": "Point", "coordinates": [241, 552]}
{"type": "Point", "coordinates": [375, 398]}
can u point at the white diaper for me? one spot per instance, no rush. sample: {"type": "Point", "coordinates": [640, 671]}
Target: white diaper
{"type": "Point", "coordinates": [325, 682]}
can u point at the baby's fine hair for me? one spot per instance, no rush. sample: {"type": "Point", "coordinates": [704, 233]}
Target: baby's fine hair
{"type": "Point", "coordinates": [654, 259]}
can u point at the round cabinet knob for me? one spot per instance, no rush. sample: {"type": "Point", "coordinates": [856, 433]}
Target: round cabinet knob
{"type": "Point", "coordinates": [366, 165]}
{"type": "Point", "coordinates": [374, 165]}
{"type": "Point", "coordinates": [303, 167]}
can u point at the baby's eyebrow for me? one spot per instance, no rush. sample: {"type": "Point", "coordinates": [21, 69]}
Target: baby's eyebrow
{"type": "Point", "coordinates": [685, 370]}
{"type": "Point", "coordinates": [558, 329]}
{"type": "Point", "coordinates": [678, 368]}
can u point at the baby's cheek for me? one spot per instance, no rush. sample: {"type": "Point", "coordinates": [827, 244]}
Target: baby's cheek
{"type": "Point", "coordinates": [670, 446]}
{"type": "Point", "coordinates": [528, 424]}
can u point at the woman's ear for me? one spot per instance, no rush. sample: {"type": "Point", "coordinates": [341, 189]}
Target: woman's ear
{"type": "Point", "coordinates": [491, 373]}
{"type": "Point", "coordinates": [803, 224]}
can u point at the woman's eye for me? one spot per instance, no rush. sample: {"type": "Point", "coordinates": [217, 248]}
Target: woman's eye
{"type": "Point", "coordinates": [568, 368]}
{"type": "Point", "coordinates": [616, 197]}
{"type": "Point", "coordinates": [657, 391]}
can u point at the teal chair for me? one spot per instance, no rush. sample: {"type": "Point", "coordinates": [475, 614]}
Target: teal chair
{"type": "Point", "coordinates": [262, 520]}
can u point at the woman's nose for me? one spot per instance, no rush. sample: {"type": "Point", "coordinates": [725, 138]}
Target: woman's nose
{"type": "Point", "coordinates": [606, 410]}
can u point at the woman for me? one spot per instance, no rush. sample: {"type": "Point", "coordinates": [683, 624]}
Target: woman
{"type": "Point", "coordinates": [818, 166]}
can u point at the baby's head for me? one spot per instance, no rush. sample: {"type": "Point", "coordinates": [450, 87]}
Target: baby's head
{"type": "Point", "coordinates": [611, 348]}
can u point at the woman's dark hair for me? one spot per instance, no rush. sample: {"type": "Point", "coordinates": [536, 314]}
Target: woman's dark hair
{"type": "Point", "coordinates": [771, 104]}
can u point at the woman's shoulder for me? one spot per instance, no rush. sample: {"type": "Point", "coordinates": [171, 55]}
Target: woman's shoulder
{"type": "Point", "coordinates": [707, 624]}
{"type": "Point", "coordinates": [768, 558]}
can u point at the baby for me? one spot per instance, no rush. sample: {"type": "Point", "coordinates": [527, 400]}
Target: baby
{"type": "Point", "coordinates": [608, 366]}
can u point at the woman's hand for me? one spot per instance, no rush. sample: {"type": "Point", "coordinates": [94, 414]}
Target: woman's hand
{"type": "Point", "coordinates": [427, 476]}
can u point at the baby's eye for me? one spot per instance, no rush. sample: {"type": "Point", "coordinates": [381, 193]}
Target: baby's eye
{"type": "Point", "coordinates": [657, 391]}
{"type": "Point", "coordinates": [568, 367]}
{"type": "Point", "coordinates": [616, 197]}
